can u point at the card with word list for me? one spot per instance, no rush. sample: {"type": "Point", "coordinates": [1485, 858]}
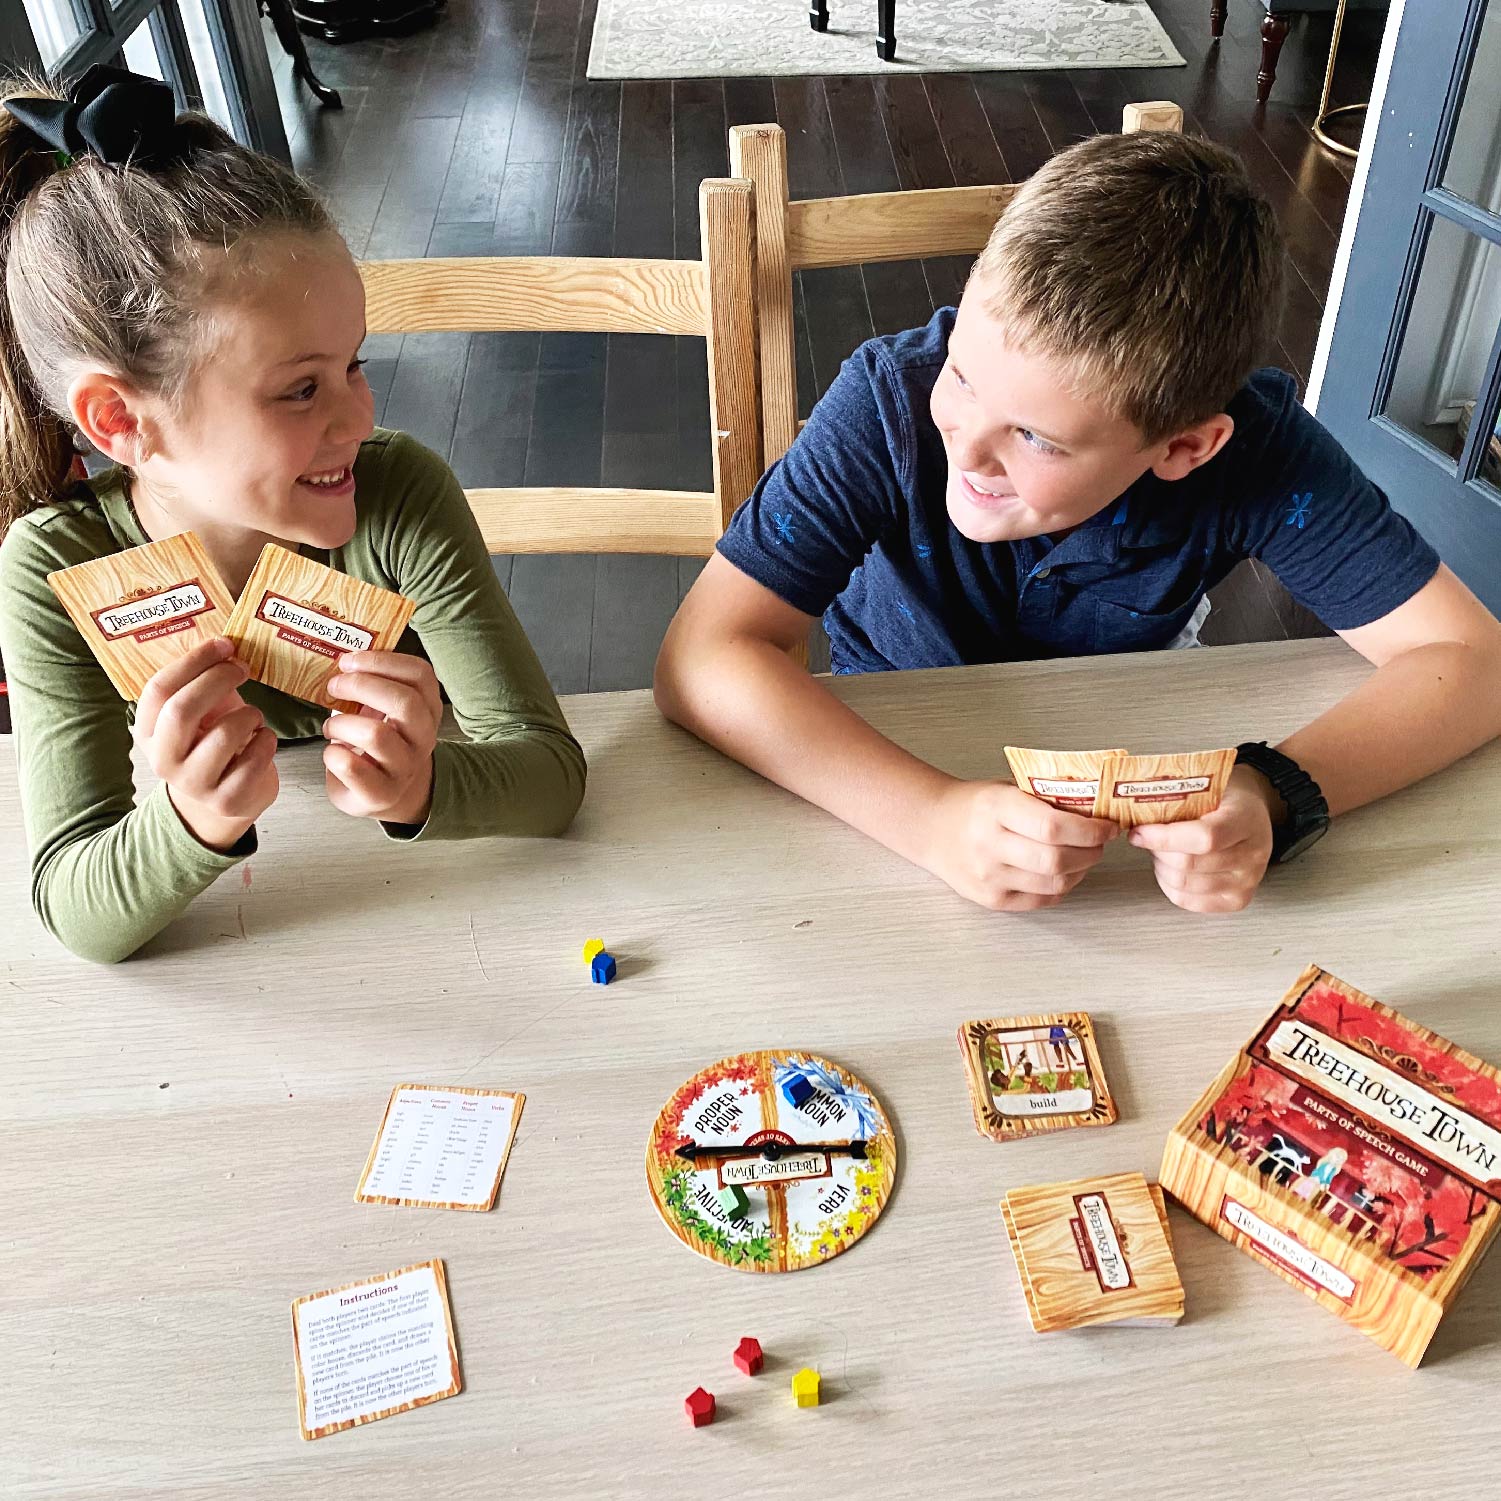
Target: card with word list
{"type": "Point", "coordinates": [441, 1148]}
{"type": "Point", "coordinates": [373, 1348]}
{"type": "Point", "coordinates": [296, 618]}
{"type": "Point", "coordinates": [144, 607]}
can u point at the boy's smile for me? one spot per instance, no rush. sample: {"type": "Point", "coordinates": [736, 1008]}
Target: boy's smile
{"type": "Point", "coordinates": [1029, 454]}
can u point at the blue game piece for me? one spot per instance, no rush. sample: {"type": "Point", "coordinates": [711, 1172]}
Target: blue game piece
{"type": "Point", "coordinates": [797, 1091]}
{"type": "Point", "coordinates": [602, 968]}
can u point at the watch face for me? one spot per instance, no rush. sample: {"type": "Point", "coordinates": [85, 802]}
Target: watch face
{"type": "Point", "coordinates": [1308, 837]}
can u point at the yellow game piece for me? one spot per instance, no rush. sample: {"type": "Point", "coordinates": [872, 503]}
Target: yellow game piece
{"type": "Point", "coordinates": [592, 947]}
{"type": "Point", "coordinates": [805, 1387]}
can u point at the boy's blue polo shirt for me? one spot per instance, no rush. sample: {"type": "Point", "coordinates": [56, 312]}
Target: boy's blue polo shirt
{"type": "Point", "coordinates": [852, 524]}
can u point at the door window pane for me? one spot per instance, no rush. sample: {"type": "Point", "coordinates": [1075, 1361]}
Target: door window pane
{"type": "Point", "coordinates": [140, 52]}
{"type": "Point", "coordinates": [1456, 312]}
{"type": "Point", "coordinates": [206, 62]}
{"type": "Point", "coordinates": [56, 25]}
{"type": "Point", "coordinates": [1474, 167]}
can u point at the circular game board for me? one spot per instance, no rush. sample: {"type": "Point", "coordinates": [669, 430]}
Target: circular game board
{"type": "Point", "coordinates": [815, 1176]}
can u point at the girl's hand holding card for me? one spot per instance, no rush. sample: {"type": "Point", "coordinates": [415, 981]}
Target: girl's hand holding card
{"type": "Point", "coordinates": [379, 761]}
{"type": "Point", "coordinates": [212, 749]}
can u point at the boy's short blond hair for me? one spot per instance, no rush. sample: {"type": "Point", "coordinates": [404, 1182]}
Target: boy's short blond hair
{"type": "Point", "coordinates": [1149, 265]}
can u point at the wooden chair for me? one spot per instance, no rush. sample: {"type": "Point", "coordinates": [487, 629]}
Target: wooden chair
{"type": "Point", "coordinates": [851, 231]}
{"type": "Point", "coordinates": [711, 297]}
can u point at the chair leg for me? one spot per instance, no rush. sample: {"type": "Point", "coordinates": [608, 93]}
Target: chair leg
{"type": "Point", "coordinates": [1273, 33]}
{"type": "Point", "coordinates": [291, 40]}
{"type": "Point", "coordinates": [1216, 18]}
{"type": "Point", "coordinates": [818, 15]}
{"type": "Point", "coordinates": [886, 30]}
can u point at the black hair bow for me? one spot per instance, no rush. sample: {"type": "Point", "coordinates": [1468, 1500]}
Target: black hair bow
{"type": "Point", "coordinates": [120, 117]}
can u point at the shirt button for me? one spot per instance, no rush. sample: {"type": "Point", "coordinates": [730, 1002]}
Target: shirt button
{"type": "Point", "coordinates": [1042, 573]}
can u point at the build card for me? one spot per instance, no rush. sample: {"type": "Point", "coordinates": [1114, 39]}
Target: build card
{"type": "Point", "coordinates": [297, 617]}
{"type": "Point", "coordinates": [1034, 1073]}
{"type": "Point", "coordinates": [144, 607]}
{"type": "Point", "coordinates": [441, 1148]}
{"type": "Point", "coordinates": [373, 1348]}
{"type": "Point", "coordinates": [1162, 789]}
{"type": "Point", "coordinates": [1067, 779]}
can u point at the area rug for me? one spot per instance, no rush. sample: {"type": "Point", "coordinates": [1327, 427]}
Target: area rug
{"type": "Point", "coordinates": [768, 38]}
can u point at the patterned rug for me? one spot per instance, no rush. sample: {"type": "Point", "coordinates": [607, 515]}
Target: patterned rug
{"type": "Point", "coordinates": [766, 38]}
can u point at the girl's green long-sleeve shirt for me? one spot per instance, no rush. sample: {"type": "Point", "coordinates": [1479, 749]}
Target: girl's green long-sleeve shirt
{"type": "Point", "coordinates": [107, 873]}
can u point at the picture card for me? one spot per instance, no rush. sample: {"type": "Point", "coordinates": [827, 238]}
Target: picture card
{"type": "Point", "coordinates": [1093, 1251]}
{"type": "Point", "coordinates": [1067, 779]}
{"type": "Point", "coordinates": [441, 1148]}
{"type": "Point", "coordinates": [1162, 789]}
{"type": "Point", "coordinates": [369, 1349]}
{"type": "Point", "coordinates": [144, 607]}
{"type": "Point", "coordinates": [1029, 1074]}
{"type": "Point", "coordinates": [296, 618]}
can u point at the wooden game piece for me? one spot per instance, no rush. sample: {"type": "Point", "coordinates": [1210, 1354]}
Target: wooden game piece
{"type": "Point", "coordinates": [1066, 779]}
{"type": "Point", "coordinates": [805, 1387]}
{"type": "Point", "coordinates": [592, 947]}
{"type": "Point", "coordinates": [733, 1201]}
{"type": "Point", "coordinates": [748, 1357]}
{"type": "Point", "coordinates": [1355, 1153]}
{"type": "Point", "coordinates": [139, 609]}
{"type": "Point", "coordinates": [296, 618]}
{"type": "Point", "coordinates": [818, 1177]}
{"type": "Point", "coordinates": [602, 968]}
{"type": "Point", "coordinates": [1160, 114]}
{"type": "Point", "coordinates": [1034, 1073]}
{"type": "Point", "coordinates": [1162, 789]}
{"type": "Point", "coordinates": [797, 1091]}
{"type": "Point", "coordinates": [1093, 1251]}
{"type": "Point", "coordinates": [699, 1405]}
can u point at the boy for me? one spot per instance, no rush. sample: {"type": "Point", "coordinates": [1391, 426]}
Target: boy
{"type": "Point", "coordinates": [1065, 466]}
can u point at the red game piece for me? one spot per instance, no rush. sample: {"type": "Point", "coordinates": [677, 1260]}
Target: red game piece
{"type": "Point", "coordinates": [699, 1406]}
{"type": "Point", "coordinates": [748, 1356]}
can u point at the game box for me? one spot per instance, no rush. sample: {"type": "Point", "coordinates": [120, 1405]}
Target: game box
{"type": "Point", "coordinates": [1355, 1153]}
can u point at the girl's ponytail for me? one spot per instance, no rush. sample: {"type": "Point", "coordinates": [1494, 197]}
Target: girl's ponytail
{"type": "Point", "coordinates": [35, 447]}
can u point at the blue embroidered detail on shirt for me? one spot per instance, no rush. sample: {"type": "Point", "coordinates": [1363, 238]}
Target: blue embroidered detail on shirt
{"type": "Point", "coordinates": [1301, 510]}
{"type": "Point", "coordinates": [783, 523]}
{"type": "Point", "coordinates": [906, 610]}
{"type": "Point", "coordinates": [924, 550]}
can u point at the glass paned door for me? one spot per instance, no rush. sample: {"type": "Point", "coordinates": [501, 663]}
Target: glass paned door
{"type": "Point", "coordinates": [1413, 380]}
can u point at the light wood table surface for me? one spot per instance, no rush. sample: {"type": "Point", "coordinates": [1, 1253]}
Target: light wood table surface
{"type": "Point", "coordinates": [181, 1135]}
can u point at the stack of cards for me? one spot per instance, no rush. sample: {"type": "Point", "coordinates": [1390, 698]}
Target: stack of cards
{"type": "Point", "coordinates": [1034, 1073]}
{"type": "Point", "coordinates": [142, 608]}
{"type": "Point", "coordinates": [1126, 789]}
{"type": "Point", "coordinates": [1097, 1251]}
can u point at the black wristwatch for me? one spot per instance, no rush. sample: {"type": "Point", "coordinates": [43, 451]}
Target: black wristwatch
{"type": "Point", "coordinates": [1307, 812]}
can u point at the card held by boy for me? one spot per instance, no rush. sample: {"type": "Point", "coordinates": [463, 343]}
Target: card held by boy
{"type": "Point", "coordinates": [144, 607]}
{"type": "Point", "coordinates": [1162, 789]}
{"type": "Point", "coordinates": [296, 618]}
{"type": "Point", "coordinates": [1069, 780]}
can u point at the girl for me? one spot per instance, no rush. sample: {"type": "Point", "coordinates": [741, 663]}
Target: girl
{"type": "Point", "coordinates": [188, 307]}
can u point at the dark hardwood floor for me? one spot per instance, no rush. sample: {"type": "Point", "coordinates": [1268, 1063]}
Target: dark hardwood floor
{"type": "Point", "coordinates": [484, 136]}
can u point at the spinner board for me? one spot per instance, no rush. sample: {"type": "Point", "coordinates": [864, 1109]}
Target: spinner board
{"type": "Point", "coordinates": [813, 1177]}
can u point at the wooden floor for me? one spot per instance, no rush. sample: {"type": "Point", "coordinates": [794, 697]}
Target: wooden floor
{"type": "Point", "coordinates": [484, 136]}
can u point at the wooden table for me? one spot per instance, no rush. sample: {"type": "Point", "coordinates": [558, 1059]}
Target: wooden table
{"type": "Point", "coordinates": [182, 1136]}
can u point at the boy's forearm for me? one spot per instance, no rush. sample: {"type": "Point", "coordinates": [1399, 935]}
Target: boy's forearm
{"type": "Point", "coordinates": [1415, 715]}
{"type": "Point", "coordinates": [750, 700]}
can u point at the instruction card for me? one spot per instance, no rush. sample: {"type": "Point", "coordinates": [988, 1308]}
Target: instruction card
{"type": "Point", "coordinates": [441, 1148]}
{"type": "Point", "coordinates": [373, 1348]}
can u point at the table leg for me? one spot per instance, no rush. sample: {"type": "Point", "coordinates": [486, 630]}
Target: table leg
{"type": "Point", "coordinates": [1273, 34]}
{"type": "Point", "coordinates": [886, 30]}
{"type": "Point", "coordinates": [818, 15]}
